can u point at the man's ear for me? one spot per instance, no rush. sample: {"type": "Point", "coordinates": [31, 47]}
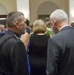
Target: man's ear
{"type": "Point", "coordinates": [54, 21]}
{"type": "Point", "coordinates": [16, 24]}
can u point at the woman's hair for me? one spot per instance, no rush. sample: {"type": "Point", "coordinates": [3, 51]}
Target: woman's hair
{"type": "Point", "coordinates": [39, 27]}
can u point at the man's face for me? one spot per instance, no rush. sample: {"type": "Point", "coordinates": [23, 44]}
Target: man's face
{"type": "Point", "coordinates": [22, 25]}
{"type": "Point", "coordinates": [54, 26]}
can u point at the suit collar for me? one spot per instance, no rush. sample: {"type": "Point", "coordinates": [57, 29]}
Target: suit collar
{"type": "Point", "coordinates": [63, 27]}
{"type": "Point", "coordinates": [13, 33]}
{"type": "Point", "coordinates": [66, 27]}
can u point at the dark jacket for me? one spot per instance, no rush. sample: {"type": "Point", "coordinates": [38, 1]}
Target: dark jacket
{"type": "Point", "coordinates": [1, 34]}
{"type": "Point", "coordinates": [38, 53]}
{"type": "Point", "coordinates": [13, 56]}
{"type": "Point", "coordinates": [60, 57]}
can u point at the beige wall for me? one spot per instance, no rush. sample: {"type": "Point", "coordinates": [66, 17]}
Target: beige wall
{"type": "Point", "coordinates": [10, 5]}
{"type": "Point", "coordinates": [34, 5]}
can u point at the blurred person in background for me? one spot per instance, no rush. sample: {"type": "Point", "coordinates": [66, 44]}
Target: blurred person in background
{"type": "Point", "coordinates": [48, 30]}
{"type": "Point", "coordinates": [72, 23]}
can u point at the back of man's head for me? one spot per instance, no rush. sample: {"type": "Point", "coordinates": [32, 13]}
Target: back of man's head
{"type": "Point", "coordinates": [59, 15]}
{"type": "Point", "coordinates": [27, 22]}
{"type": "Point", "coordinates": [72, 23]}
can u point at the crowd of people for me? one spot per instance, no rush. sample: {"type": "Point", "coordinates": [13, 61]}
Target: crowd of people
{"type": "Point", "coordinates": [44, 48]}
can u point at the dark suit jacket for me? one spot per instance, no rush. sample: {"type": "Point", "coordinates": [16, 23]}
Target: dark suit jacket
{"type": "Point", "coordinates": [60, 56]}
{"type": "Point", "coordinates": [13, 56]}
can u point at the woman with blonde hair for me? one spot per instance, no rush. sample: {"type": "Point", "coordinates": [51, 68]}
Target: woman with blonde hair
{"type": "Point", "coordinates": [38, 48]}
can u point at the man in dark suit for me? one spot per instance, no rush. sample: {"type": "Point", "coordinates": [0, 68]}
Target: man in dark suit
{"type": "Point", "coordinates": [60, 55]}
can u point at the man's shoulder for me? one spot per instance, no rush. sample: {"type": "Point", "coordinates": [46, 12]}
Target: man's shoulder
{"type": "Point", "coordinates": [10, 38]}
{"type": "Point", "coordinates": [14, 39]}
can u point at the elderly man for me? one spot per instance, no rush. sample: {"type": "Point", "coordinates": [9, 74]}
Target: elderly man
{"type": "Point", "coordinates": [13, 60]}
{"type": "Point", "coordinates": [60, 55]}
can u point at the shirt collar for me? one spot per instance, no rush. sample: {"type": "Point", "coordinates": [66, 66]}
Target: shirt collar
{"type": "Point", "coordinates": [9, 31]}
{"type": "Point", "coordinates": [63, 27]}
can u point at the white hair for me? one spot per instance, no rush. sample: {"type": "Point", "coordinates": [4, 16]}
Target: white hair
{"type": "Point", "coordinates": [59, 15]}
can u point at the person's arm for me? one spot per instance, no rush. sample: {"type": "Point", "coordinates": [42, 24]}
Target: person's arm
{"type": "Point", "coordinates": [52, 58]}
{"type": "Point", "coordinates": [25, 39]}
{"type": "Point", "coordinates": [19, 59]}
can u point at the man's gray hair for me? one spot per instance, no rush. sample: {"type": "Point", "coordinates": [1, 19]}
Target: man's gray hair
{"type": "Point", "coordinates": [59, 15]}
{"type": "Point", "coordinates": [12, 17]}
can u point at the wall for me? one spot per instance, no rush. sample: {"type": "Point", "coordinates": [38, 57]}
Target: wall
{"type": "Point", "coordinates": [71, 10]}
{"type": "Point", "coordinates": [23, 6]}
{"type": "Point", "coordinates": [34, 5]}
{"type": "Point", "coordinates": [10, 5]}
